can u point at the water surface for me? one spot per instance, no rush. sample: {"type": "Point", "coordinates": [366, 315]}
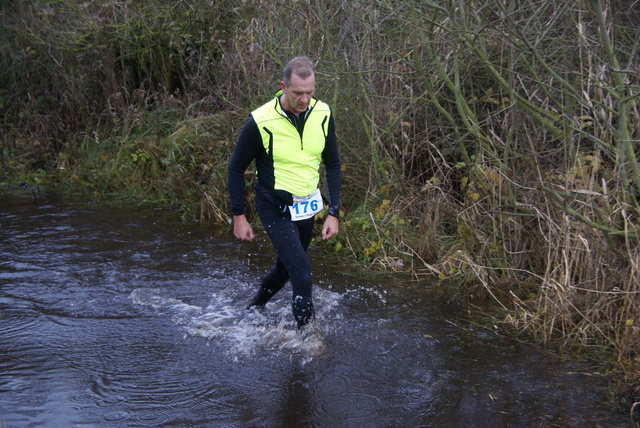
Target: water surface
{"type": "Point", "coordinates": [120, 315]}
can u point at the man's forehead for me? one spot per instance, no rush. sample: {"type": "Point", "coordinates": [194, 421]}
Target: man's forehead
{"type": "Point", "coordinates": [297, 83]}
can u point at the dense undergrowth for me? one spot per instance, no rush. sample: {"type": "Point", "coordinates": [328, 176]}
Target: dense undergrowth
{"type": "Point", "coordinates": [490, 144]}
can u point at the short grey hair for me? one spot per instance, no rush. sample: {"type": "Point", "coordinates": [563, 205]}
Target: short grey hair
{"type": "Point", "coordinates": [301, 66]}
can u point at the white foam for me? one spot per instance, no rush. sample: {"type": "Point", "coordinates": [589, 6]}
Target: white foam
{"type": "Point", "coordinates": [239, 331]}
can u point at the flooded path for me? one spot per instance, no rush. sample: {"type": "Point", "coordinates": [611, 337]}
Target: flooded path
{"type": "Point", "coordinates": [114, 315]}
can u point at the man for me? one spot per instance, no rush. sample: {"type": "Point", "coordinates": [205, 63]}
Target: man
{"type": "Point", "coordinates": [288, 138]}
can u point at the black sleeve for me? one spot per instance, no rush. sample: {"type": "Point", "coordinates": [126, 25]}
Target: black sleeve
{"type": "Point", "coordinates": [247, 148]}
{"type": "Point", "coordinates": [331, 161]}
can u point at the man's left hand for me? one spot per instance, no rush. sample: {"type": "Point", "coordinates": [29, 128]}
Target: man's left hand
{"type": "Point", "coordinates": [330, 227]}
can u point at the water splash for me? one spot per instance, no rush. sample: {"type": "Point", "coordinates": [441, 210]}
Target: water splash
{"type": "Point", "coordinates": [241, 332]}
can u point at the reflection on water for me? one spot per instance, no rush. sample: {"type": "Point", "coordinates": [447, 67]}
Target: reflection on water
{"type": "Point", "coordinates": [122, 316]}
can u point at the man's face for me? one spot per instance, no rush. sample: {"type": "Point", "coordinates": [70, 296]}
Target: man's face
{"type": "Point", "coordinates": [296, 96]}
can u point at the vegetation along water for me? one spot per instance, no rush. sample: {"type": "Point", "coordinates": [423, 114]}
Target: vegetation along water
{"type": "Point", "coordinates": [490, 144]}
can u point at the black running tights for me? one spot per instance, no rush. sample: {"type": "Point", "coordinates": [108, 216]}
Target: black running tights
{"type": "Point", "coordinates": [290, 240]}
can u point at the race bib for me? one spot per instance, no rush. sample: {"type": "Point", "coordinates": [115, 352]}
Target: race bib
{"type": "Point", "coordinates": [306, 207]}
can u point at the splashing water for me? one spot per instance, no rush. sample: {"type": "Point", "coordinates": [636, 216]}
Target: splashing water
{"type": "Point", "coordinates": [241, 332]}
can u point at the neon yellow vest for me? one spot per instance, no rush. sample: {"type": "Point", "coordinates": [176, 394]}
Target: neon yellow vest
{"type": "Point", "coordinates": [296, 159]}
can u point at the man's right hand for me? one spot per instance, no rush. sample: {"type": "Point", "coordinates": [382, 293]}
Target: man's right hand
{"type": "Point", "coordinates": [242, 229]}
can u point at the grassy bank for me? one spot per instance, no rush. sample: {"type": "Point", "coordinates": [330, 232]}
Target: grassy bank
{"type": "Point", "coordinates": [491, 145]}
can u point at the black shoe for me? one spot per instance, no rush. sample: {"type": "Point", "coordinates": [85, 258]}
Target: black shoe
{"type": "Point", "coordinates": [253, 303]}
